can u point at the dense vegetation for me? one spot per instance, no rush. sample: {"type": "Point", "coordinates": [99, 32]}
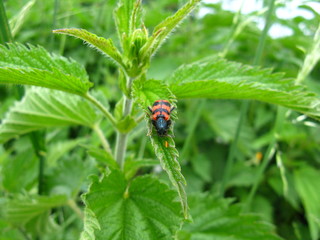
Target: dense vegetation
{"type": "Point", "coordinates": [241, 161]}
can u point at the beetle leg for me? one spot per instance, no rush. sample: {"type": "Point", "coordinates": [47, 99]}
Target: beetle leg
{"type": "Point", "coordinates": [152, 122]}
{"type": "Point", "coordinates": [173, 108]}
{"type": "Point", "coordinates": [150, 109]}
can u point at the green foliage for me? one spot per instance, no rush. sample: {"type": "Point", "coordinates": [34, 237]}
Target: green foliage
{"type": "Point", "coordinates": [146, 93]}
{"type": "Point", "coordinates": [143, 208]}
{"type": "Point", "coordinates": [220, 79]}
{"type": "Point", "coordinates": [90, 225]}
{"type": "Point", "coordinates": [105, 46]}
{"type": "Point", "coordinates": [21, 210]}
{"type": "Point", "coordinates": [215, 219]}
{"type": "Point", "coordinates": [5, 33]}
{"type": "Point", "coordinates": [163, 29]}
{"type": "Point", "coordinates": [306, 182]}
{"type": "Point", "coordinates": [43, 174]}
{"type": "Point", "coordinates": [30, 65]}
{"type": "Point", "coordinates": [126, 17]}
{"type": "Point", "coordinates": [41, 108]}
{"type": "Point", "coordinates": [20, 172]}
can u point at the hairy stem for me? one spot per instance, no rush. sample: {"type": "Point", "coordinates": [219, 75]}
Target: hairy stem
{"type": "Point", "coordinates": [104, 142]}
{"type": "Point", "coordinates": [102, 109]}
{"type": "Point", "coordinates": [121, 144]}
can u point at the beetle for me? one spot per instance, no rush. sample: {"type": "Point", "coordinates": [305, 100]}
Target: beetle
{"type": "Point", "coordinates": [160, 116]}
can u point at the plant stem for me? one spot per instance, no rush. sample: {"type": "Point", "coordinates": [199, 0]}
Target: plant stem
{"type": "Point", "coordinates": [103, 140]}
{"type": "Point", "coordinates": [193, 123]}
{"type": "Point", "coordinates": [232, 150]}
{"type": "Point", "coordinates": [262, 40]}
{"type": "Point", "coordinates": [73, 205]}
{"type": "Point", "coordinates": [265, 162]}
{"type": "Point", "coordinates": [245, 104]}
{"type": "Point", "coordinates": [102, 109]}
{"type": "Point", "coordinates": [5, 33]}
{"type": "Point", "coordinates": [54, 20]}
{"type": "Point", "coordinates": [311, 58]}
{"type": "Point", "coordinates": [121, 144]}
{"type": "Point", "coordinates": [38, 142]}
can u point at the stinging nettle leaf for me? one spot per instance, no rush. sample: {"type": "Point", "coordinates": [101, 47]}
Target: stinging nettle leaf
{"type": "Point", "coordinates": [105, 46]}
{"type": "Point", "coordinates": [127, 16]}
{"type": "Point", "coordinates": [43, 108]}
{"type": "Point", "coordinates": [220, 79]}
{"type": "Point", "coordinates": [141, 209]}
{"type": "Point", "coordinates": [30, 65]}
{"type": "Point", "coordinates": [215, 219]}
{"type": "Point", "coordinates": [146, 92]}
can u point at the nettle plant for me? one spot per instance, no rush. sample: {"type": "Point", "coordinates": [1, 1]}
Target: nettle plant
{"type": "Point", "coordinates": [121, 203]}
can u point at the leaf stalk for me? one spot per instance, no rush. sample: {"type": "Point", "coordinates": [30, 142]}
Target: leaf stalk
{"type": "Point", "coordinates": [101, 108]}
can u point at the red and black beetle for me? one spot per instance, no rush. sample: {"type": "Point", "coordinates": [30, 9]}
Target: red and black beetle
{"type": "Point", "coordinates": [160, 117]}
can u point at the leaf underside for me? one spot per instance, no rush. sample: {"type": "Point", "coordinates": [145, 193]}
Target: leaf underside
{"type": "Point", "coordinates": [141, 209]}
{"type": "Point", "coordinates": [30, 65]}
{"type": "Point", "coordinates": [43, 108]}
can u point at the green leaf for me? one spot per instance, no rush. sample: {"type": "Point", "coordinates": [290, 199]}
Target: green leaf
{"type": "Point", "coordinates": [307, 184]}
{"type": "Point", "coordinates": [90, 225]}
{"type": "Point", "coordinates": [131, 166]}
{"type": "Point", "coordinates": [141, 209]}
{"type": "Point", "coordinates": [127, 16]}
{"type": "Point", "coordinates": [103, 45]}
{"type": "Point", "coordinates": [21, 210]}
{"type": "Point", "coordinates": [5, 33]}
{"type": "Point", "coordinates": [30, 65]}
{"type": "Point", "coordinates": [60, 149]}
{"type": "Point", "coordinates": [42, 108]}
{"type": "Point", "coordinates": [162, 30]}
{"type": "Point", "coordinates": [215, 219]}
{"type": "Point", "coordinates": [102, 156]}
{"type": "Point", "coordinates": [19, 172]}
{"type": "Point", "coordinates": [126, 125]}
{"type": "Point", "coordinates": [19, 19]}
{"type": "Point", "coordinates": [146, 92]}
{"type": "Point", "coordinates": [8, 233]}
{"type": "Point", "coordinates": [219, 79]}
{"type": "Point", "coordinates": [68, 176]}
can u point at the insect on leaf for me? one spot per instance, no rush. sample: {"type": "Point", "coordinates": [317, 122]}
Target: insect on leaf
{"type": "Point", "coordinates": [146, 92]}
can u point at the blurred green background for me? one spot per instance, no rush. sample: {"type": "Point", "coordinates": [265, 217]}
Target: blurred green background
{"type": "Point", "coordinates": [289, 190]}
